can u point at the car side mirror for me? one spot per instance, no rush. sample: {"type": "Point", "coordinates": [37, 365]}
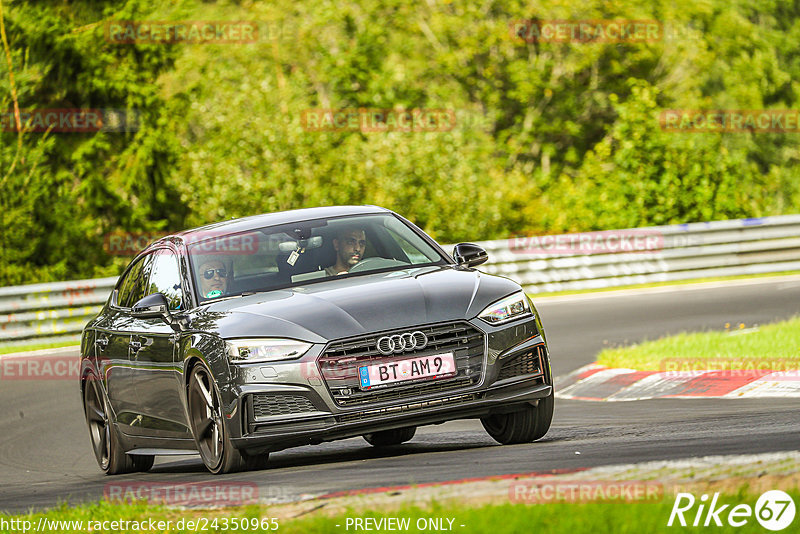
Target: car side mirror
{"type": "Point", "coordinates": [154, 305]}
{"type": "Point", "coordinates": [469, 255]}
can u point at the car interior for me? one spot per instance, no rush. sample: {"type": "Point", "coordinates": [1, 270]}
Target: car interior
{"type": "Point", "coordinates": [292, 266]}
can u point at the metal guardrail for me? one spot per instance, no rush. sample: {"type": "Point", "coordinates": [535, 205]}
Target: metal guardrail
{"type": "Point", "coordinates": [59, 311]}
{"type": "Point", "coordinates": [681, 252]}
{"type": "Point", "coordinates": [50, 312]}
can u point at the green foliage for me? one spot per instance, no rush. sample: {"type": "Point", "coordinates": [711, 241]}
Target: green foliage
{"type": "Point", "coordinates": [68, 189]}
{"type": "Point", "coordinates": [549, 137]}
{"type": "Point", "coordinates": [639, 175]}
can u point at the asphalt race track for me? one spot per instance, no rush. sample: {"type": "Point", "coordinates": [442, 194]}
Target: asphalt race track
{"type": "Point", "coordinates": [46, 457]}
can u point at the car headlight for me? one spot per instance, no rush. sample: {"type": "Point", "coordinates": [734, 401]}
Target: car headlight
{"type": "Point", "coordinates": [265, 350]}
{"type": "Point", "coordinates": [507, 309]}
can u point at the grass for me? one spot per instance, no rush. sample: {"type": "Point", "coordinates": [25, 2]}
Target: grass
{"type": "Point", "coordinates": [662, 284]}
{"type": "Point", "coordinates": [775, 346]}
{"type": "Point", "coordinates": [9, 349]}
{"type": "Point", "coordinates": [557, 517]}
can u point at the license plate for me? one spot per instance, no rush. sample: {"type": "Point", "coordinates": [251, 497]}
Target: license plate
{"type": "Point", "coordinates": [434, 366]}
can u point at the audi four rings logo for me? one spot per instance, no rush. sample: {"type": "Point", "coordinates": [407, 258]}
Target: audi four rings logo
{"type": "Point", "coordinates": [402, 342]}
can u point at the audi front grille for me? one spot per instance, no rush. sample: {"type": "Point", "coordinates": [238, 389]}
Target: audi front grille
{"type": "Point", "coordinates": [340, 361]}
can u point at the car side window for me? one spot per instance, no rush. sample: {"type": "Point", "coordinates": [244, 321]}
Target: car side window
{"type": "Point", "coordinates": [126, 286]}
{"type": "Point", "coordinates": [133, 287]}
{"type": "Point", "coordinates": [165, 278]}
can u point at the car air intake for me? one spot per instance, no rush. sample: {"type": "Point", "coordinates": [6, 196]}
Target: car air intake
{"type": "Point", "coordinates": [269, 405]}
{"type": "Point", "coordinates": [527, 363]}
{"type": "Point", "coordinates": [391, 410]}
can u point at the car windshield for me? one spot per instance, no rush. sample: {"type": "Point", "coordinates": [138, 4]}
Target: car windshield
{"type": "Point", "coordinates": [230, 264]}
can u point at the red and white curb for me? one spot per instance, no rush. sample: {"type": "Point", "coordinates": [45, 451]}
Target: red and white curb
{"type": "Point", "coordinates": [599, 383]}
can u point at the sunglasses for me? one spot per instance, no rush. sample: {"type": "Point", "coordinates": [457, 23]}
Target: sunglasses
{"type": "Point", "coordinates": [209, 274]}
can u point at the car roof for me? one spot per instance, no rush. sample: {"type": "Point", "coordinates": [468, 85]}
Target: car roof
{"type": "Point", "coordinates": [281, 217]}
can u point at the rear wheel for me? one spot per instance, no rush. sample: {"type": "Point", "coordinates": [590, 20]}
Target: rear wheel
{"type": "Point", "coordinates": [522, 426]}
{"type": "Point", "coordinates": [105, 441]}
{"type": "Point", "coordinates": [210, 433]}
{"type": "Point", "coordinates": [395, 436]}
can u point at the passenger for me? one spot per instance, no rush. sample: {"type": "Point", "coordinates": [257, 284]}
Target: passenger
{"type": "Point", "coordinates": [349, 245]}
{"type": "Point", "coordinates": [213, 277]}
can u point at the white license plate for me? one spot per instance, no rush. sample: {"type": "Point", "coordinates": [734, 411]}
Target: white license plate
{"type": "Point", "coordinates": [434, 366]}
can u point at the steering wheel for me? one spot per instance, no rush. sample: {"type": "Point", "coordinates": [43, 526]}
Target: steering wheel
{"type": "Point", "coordinates": [375, 262]}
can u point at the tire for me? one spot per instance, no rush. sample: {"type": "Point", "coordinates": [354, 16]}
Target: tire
{"type": "Point", "coordinates": [210, 432]}
{"type": "Point", "coordinates": [142, 463]}
{"type": "Point", "coordinates": [255, 462]}
{"type": "Point", "coordinates": [386, 438]}
{"type": "Point", "coordinates": [105, 441]}
{"type": "Point", "coordinates": [523, 426]}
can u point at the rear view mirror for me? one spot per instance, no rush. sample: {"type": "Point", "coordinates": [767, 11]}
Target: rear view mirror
{"type": "Point", "coordinates": [311, 242]}
{"type": "Point", "coordinates": [287, 246]}
{"type": "Point", "coordinates": [469, 254]}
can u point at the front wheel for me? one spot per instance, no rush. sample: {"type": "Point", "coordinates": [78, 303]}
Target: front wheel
{"type": "Point", "coordinates": [386, 438]}
{"type": "Point", "coordinates": [205, 416]}
{"type": "Point", "coordinates": [524, 426]}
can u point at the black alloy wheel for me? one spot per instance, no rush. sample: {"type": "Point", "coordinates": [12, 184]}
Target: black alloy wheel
{"type": "Point", "coordinates": [105, 442]}
{"type": "Point", "coordinates": [209, 429]}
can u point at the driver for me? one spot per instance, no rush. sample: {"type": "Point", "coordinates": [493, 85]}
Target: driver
{"type": "Point", "coordinates": [213, 277]}
{"type": "Point", "coordinates": [349, 245]}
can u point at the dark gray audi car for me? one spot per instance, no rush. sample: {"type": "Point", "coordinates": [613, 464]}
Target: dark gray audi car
{"type": "Point", "coordinates": [293, 328]}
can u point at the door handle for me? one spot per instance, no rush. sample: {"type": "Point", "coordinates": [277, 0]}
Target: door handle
{"type": "Point", "coordinates": [135, 346]}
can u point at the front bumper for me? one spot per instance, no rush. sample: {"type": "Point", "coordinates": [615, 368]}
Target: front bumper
{"type": "Point", "coordinates": [287, 405]}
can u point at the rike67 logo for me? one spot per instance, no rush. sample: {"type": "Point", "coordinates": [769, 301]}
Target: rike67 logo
{"type": "Point", "coordinates": [774, 510]}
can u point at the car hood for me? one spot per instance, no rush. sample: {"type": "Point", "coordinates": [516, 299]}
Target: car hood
{"type": "Point", "coordinates": [356, 305]}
